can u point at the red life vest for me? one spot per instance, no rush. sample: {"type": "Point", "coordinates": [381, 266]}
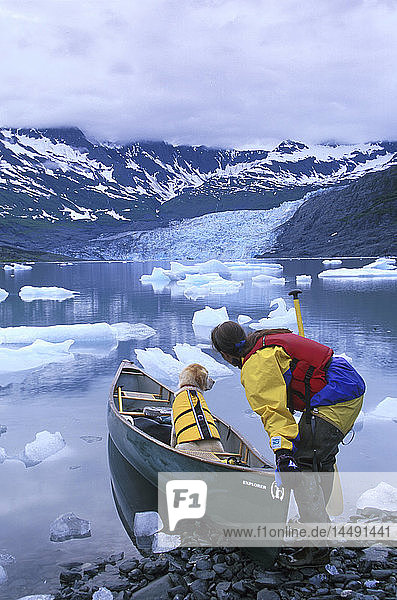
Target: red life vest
{"type": "Point", "coordinates": [309, 363]}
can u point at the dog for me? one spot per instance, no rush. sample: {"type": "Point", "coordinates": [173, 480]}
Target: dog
{"type": "Point", "coordinates": [192, 420]}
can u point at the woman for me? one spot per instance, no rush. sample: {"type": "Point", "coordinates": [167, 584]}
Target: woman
{"type": "Point", "coordinates": [283, 372]}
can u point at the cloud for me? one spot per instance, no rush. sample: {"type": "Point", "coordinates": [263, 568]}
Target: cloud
{"type": "Point", "coordinates": [214, 72]}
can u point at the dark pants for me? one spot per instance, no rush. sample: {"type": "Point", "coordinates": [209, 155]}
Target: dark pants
{"type": "Point", "coordinates": [316, 451]}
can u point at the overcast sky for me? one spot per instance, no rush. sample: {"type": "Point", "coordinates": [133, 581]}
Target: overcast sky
{"type": "Point", "coordinates": [236, 73]}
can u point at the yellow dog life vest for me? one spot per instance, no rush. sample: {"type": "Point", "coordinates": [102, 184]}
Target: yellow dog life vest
{"type": "Point", "coordinates": [192, 418]}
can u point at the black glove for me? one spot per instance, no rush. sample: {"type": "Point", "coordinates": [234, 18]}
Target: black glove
{"type": "Point", "coordinates": [286, 462]}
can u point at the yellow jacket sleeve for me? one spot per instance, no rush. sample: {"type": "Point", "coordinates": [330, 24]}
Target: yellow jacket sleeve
{"type": "Point", "coordinates": [263, 379]}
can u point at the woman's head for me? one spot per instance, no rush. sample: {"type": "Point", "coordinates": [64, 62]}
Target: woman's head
{"type": "Point", "coordinates": [229, 338]}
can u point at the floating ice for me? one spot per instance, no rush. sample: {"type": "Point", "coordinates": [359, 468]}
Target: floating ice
{"type": "Point", "coordinates": [3, 295]}
{"type": "Point", "coordinates": [303, 279]}
{"type": "Point", "coordinates": [3, 429]}
{"type": "Point", "coordinates": [3, 456]}
{"type": "Point", "coordinates": [332, 261]}
{"type": "Point", "coordinates": [163, 542]}
{"type": "Point", "coordinates": [264, 278]}
{"type": "Point", "coordinates": [68, 527]}
{"type": "Point", "coordinates": [279, 317]}
{"type": "Point", "coordinates": [217, 285]}
{"type": "Point", "coordinates": [160, 365]}
{"type": "Point", "coordinates": [29, 293]}
{"type": "Point", "coordinates": [102, 594]}
{"type": "Point", "coordinates": [80, 332]}
{"type": "Point", "coordinates": [35, 355]}
{"type": "Point", "coordinates": [383, 497]}
{"type": "Point", "coordinates": [132, 331]}
{"type": "Point", "coordinates": [210, 317]}
{"type": "Point", "coordinates": [243, 269]}
{"type": "Point", "coordinates": [3, 575]}
{"type": "Point", "coordinates": [6, 559]}
{"type": "Point", "coordinates": [387, 409]}
{"type": "Point", "coordinates": [277, 281]}
{"type": "Point", "coordinates": [147, 523]}
{"type": "Point", "coordinates": [43, 446]}
{"type": "Point", "coordinates": [38, 597]}
{"type": "Point", "coordinates": [242, 319]}
{"type": "Point", "coordinates": [158, 276]}
{"type": "Point", "coordinates": [192, 354]}
{"type": "Point", "coordinates": [382, 267]}
{"type": "Point", "coordinates": [17, 267]}
{"type": "Point", "coordinates": [206, 319]}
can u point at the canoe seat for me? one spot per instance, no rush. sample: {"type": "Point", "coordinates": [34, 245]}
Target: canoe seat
{"type": "Point", "coordinates": [206, 454]}
{"type": "Point", "coordinates": [142, 396]}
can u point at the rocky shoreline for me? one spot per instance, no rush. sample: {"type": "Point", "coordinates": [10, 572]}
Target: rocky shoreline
{"type": "Point", "coordinates": [228, 574]}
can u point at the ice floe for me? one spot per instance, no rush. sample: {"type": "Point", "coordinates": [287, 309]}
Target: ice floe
{"type": "Point", "coordinates": [303, 279]}
{"type": "Point", "coordinates": [33, 356]}
{"type": "Point", "coordinates": [265, 278]}
{"type": "Point", "coordinates": [3, 456]}
{"type": "Point", "coordinates": [147, 523]}
{"type": "Point", "coordinates": [215, 284]}
{"type": "Point", "coordinates": [206, 319]}
{"type": "Point", "coordinates": [102, 594]}
{"type": "Point", "coordinates": [3, 575]}
{"type": "Point", "coordinates": [29, 293]}
{"type": "Point", "coordinates": [279, 317]}
{"type": "Point", "coordinates": [383, 497]}
{"type": "Point", "coordinates": [332, 261]}
{"type": "Point", "coordinates": [80, 332]}
{"type": "Point", "coordinates": [3, 294]}
{"type": "Point", "coordinates": [68, 526]}
{"type": "Point", "coordinates": [243, 319]}
{"type": "Point", "coordinates": [387, 409]}
{"type": "Point", "coordinates": [158, 276]}
{"type": "Point", "coordinates": [164, 542]}
{"type": "Point", "coordinates": [38, 597]}
{"type": "Point", "coordinates": [44, 445]}
{"type": "Point", "coordinates": [188, 354]}
{"type": "Point", "coordinates": [382, 268]}
{"type": "Point", "coordinates": [17, 267]}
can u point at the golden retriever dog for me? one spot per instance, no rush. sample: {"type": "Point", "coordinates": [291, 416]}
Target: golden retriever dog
{"type": "Point", "coordinates": [191, 412]}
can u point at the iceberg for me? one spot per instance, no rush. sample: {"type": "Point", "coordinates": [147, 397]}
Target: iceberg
{"type": "Point", "coordinates": [188, 354]}
{"type": "Point", "coordinates": [132, 331]}
{"type": "Point", "coordinates": [3, 295]}
{"type": "Point", "coordinates": [383, 497]}
{"type": "Point", "coordinates": [332, 261]}
{"type": "Point", "coordinates": [206, 319]}
{"type": "Point", "coordinates": [17, 267]}
{"type": "Point", "coordinates": [33, 356]}
{"type": "Point", "coordinates": [382, 268]}
{"type": "Point", "coordinates": [29, 293]}
{"type": "Point", "coordinates": [147, 523]}
{"type": "Point", "coordinates": [218, 286]}
{"type": "Point", "coordinates": [43, 446]}
{"type": "Point", "coordinates": [68, 527]}
{"type": "Point", "coordinates": [263, 278]}
{"type": "Point", "coordinates": [303, 279]}
{"type": "Point", "coordinates": [387, 409]}
{"type": "Point", "coordinates": [279, 317]}
{"type": "Point", "coordinates": [158, 276]}
{"type": "Point", "coordinates": [160, 365]}
{"type": "Point", "coordinates": [243, 319]}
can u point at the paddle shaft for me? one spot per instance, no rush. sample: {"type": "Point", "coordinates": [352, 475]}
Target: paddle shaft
{"type": "Point", "coordinates": [295, 295]}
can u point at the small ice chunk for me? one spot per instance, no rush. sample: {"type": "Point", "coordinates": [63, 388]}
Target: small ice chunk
{"type": "Point", "coordinates": [387, 409]}
{"type": "Point", "coordinates": [102, 594]}
{"type": "Point", "coordinates": [35, 355]}
{"type": "Point", "coordinates": [371, 583]}
{"type": "Point", "coordinates": [3, 429]}
{"type": "Point", "coordinates": [6, 559]}
{"type": "Point", "coordinates": [147, 523]}
{"type": "Point", "coordinates": [210, 317]}
{"type": "Point", "coordinates": [277, 281]}
{"type": "Point", "coordinates": [3, 575]}
{"type": "Point", "coordinates": [38, 597]}
{"type": "Point", "coordinates": [28, 293]}
{"type": "Point", "coordinates": [17, 267]}
{"type": "Point", "coordinates": [383, 497]}
{"type": "Point", "coordinates": [242, 319]}
{"type": "Point", "coordinates": [332, 261]}
{"type": "Point", "coordinates": [160, 365]}
{"type": "Point", "coordinates": [331, 569]}
{"type": "Point", "coordinates": [43, 446]}
{"type": "Point", "coordinates": [192, 354]}
{"type": "Point", "coordinates": [157, 276]}
{"type": "Point", "coordinates": [303, 279]}
{"type": "Point", "coordinates": [279, 317]}
{"type": "Point", "coordinates": [132, 331]}
{"type": "Point", "coordinates": [3, 456]}
{"type": "Point", "coordinates": [68, 526]}
{"type": "Point", "coordinates": [163, 542]}
{"type": "Point", "coordinates": [3, 294]}
{"type": "Point", "coordinates": [219, 287]}
{"type": "Point", "coordinates": [263, 278]}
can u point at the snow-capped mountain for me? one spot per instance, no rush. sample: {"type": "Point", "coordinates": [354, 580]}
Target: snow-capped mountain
{"type": "Point", "coordinates": [56, 183]}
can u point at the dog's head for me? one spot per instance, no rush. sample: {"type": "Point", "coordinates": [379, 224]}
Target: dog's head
{"type": "Point", "coordinates": [196, 375]}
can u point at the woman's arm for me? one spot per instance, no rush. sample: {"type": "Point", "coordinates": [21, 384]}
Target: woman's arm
{"type": "Point", "coordinates": [263, 379]}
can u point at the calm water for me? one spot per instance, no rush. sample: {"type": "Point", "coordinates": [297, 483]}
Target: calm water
{"type": "Point", "coordinates": [356, 317]}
